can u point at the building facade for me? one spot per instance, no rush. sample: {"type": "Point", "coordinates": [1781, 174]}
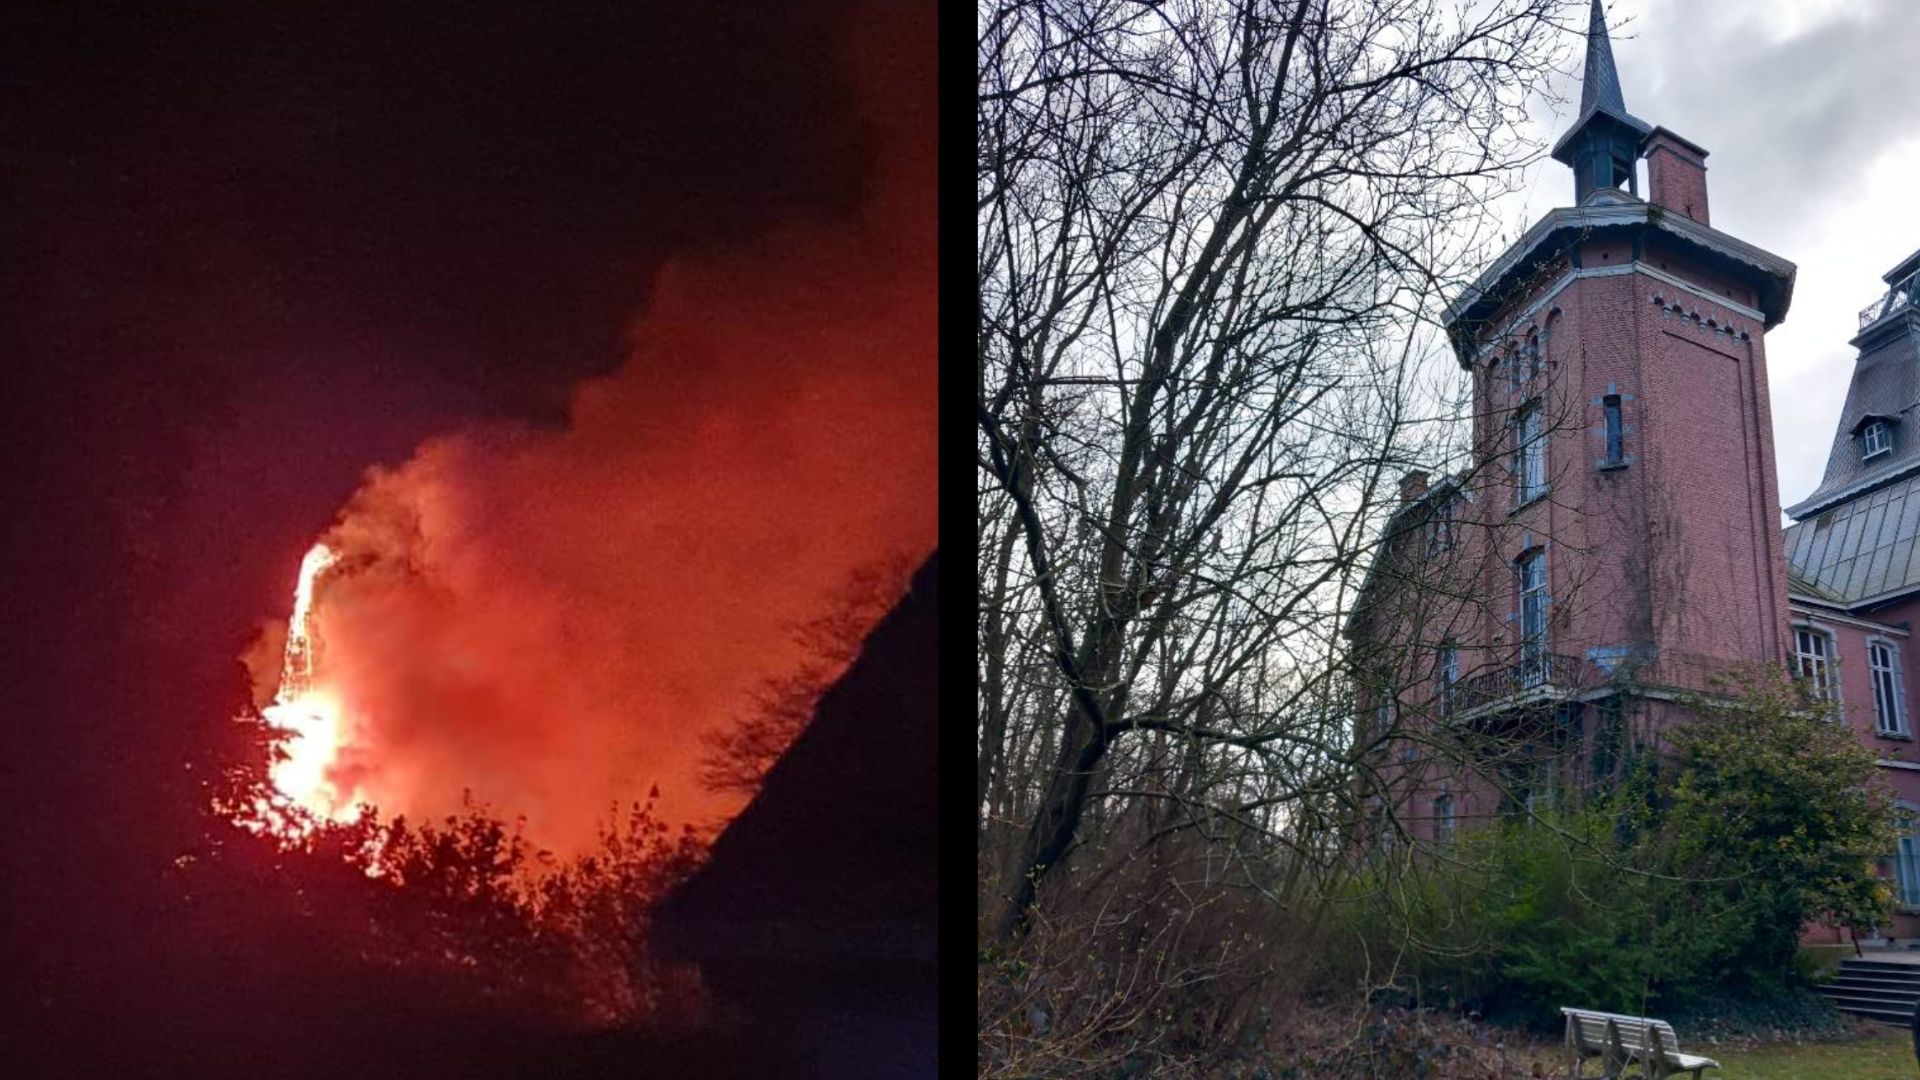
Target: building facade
{"type": "Point", "coordinates": [1617, 544]}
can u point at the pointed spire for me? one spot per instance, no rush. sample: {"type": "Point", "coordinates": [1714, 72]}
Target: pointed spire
{"type": "Point", "coordinates": [1605, 138]}
{"type": "Point", "coordinates": [1601, 86]}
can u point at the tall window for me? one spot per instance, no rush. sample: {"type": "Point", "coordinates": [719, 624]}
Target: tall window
{"type": "Point", "coordinates": [1449, 674]}
{"type": "Point", "coordinates": [1529, 455]}
{"type": "Point", "coordinates": [1616, 447]}
{"type": "Point", "coordinates": [1906, 859]}
{"type": "Point", "coordinates": [1883, 664]}
{"type": "Point", "coordinates": [1876, 438]}
{"type": "Point", "coordinates": [1443, 821]}
{"type": "Point", "coordinates": [1533, 616]}
{"type": "Point", "coordinates": [1525, 366]}
{"type": "Point", "coordinates": [1813, 661]}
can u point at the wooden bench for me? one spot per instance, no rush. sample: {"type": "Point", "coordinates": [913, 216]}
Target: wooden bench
{"type": "Point", "coordinates": [1619, 1041]}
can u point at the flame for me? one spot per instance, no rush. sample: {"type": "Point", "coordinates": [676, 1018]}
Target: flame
{"type": "Point", "coordinates": [309, 714]}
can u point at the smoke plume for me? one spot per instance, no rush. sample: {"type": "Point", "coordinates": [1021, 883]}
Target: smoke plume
{"type": "Point", "coordinates": [549, 618]}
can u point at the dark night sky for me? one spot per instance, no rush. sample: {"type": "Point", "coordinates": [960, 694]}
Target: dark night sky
{"type": "Point", "coordinates": [243, 255]}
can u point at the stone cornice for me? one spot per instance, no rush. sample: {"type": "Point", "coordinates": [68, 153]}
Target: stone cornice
{"type": "Point", "coordinates": [1562, 226]}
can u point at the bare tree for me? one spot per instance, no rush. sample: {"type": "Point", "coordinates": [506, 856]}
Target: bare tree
{"type": "Point", "coordinates": [1212, 237]}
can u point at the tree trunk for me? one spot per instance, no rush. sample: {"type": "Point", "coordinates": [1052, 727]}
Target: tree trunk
{"type": "Point", "coordinates": [1056, 820]}
{"type": "Point", "coordinates": [993, 648]}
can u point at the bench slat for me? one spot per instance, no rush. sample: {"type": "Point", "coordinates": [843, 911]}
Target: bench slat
{"type": "Point", "coordinates": [1638, 1038]}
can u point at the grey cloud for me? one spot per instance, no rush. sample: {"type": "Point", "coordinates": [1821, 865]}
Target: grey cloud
{"type": "Point", "coordinates": [1795, 120]}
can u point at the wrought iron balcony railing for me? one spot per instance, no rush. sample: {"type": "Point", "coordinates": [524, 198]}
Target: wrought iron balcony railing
{"type": "Point", "coordinates": [1895, 299]}
{"type": "Point", "coordinates": [1547, 672]}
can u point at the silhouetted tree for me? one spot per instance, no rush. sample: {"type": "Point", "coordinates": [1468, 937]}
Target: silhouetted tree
{"type": "Point", "coordinates": [737, 757]}
{"type": "Point", "coordinates": [465, 911]}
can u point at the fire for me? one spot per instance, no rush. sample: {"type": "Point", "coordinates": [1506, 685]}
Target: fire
{"type": "Point", "coordinates": [309, 713]}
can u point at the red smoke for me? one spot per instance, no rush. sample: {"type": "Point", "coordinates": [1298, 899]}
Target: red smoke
{"type": "Point", "coordinates": [550, 619]}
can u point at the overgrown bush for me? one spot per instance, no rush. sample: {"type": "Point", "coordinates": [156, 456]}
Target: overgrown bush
{"type": "Point", "coordinates": [1691, 878]}
{"type": "Point", "coordinates": [1171, 956]}
{"type": "Point", "coordinates": [1796, 1014]}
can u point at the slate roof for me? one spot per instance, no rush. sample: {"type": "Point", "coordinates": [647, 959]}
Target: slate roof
{"type": "Point", "coordinates": [1599, 86]}
{"type": "Point", "coordinates": [1799, 585]}
{"type": "Point", "coordinates": [1886, 383]}
{"type": "Point", "coordinates": [1862, 549]}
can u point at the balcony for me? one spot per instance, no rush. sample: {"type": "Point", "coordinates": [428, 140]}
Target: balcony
{"type": "Point", "coordinates": [1548, 676]}
{"type": "Point", "coordinates": [1898, 298]}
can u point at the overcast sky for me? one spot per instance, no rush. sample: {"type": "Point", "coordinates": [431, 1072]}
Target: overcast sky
{"type": "Point", "coordinates": [1806, 108]}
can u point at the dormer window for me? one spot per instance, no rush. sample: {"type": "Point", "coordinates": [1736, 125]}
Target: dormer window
{"type": "Point", "coordinates": [1875, 439]}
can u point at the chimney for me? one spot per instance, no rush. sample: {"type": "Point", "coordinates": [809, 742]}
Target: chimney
{"type": "Point", "coordinates": [1676, 174]}
{"type": "Point", "coordinates": [1413, 485]}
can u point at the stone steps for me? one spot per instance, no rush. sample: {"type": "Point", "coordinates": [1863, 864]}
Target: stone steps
{"type": "Point", "coordinates": [1883, 990]}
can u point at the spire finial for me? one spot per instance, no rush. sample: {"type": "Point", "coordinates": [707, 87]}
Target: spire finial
{"type": "Point", "coordinates": [1605, 138]}
{"type": "Point", "coordinates": [1601, 86]}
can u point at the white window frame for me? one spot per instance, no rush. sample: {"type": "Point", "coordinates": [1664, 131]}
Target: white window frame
{"type": "Point", "coordinates": [1449, 672]}
{"type": "Point", "coordinates": [1529, 454]}
{"type": "Point", "coordinates": [1875, 439]}
{"type": "Point", "coordinates": [1817, 668]}
{"type": "Point", "coordinates": [1889, 698]}
{"type": "Point", "coordinates": [1906, 857]}
{"type": "Point", "coordinates": [1535, 607]}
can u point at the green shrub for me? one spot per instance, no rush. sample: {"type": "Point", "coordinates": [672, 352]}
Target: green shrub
{"type": "Point", "coordinates": [1681, 887]}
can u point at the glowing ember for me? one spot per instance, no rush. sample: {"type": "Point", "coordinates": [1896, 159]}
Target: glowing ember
{"type": "Point", "coordinates": [309, 714]}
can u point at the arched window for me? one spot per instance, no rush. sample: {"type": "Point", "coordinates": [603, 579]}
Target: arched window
{"type": "Point", "coordinates": [1906, 856]}
{"type": "Point", "coordinates": [1531, 570]}
{"type": "Point", "coordinates": [1813, 657]}
{"type": "Point", "coordinates": [1889, 704]}
{"type": "Point", "coordinates": [1443, 820]}
{"type": "Point", "coordinates": [1529, 455]}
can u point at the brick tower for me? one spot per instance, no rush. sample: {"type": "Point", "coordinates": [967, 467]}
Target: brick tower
{"type": "Point", "coordinates": [1618, 535]}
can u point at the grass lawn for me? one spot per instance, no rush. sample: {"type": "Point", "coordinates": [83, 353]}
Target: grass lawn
{"type": "Point", "coordinates": [1880, 1053]}
{"type": "Point", "coordinates": [1884, 1053]}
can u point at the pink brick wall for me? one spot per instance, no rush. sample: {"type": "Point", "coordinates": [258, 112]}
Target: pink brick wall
{"type": "Point", "coordinates": [1678, 550]}
{"type": "Point", "coordinates": [1676, 177]}
{"type": "Point", "coordinates": [1859, 712]}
